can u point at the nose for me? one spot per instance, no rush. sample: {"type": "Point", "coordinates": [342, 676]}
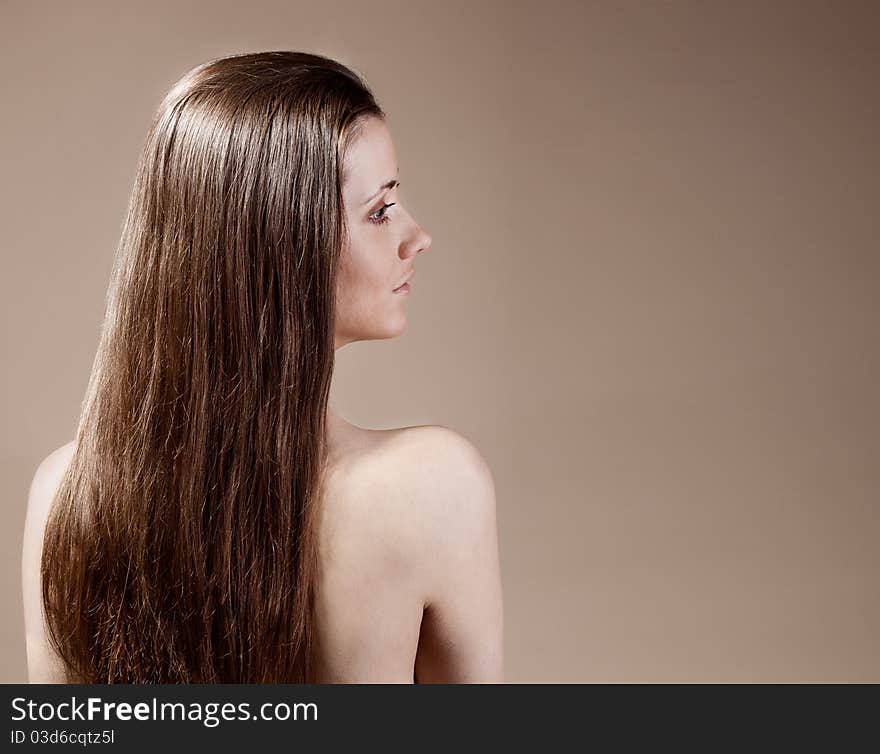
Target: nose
{"type": "Point", "coordinates": [420, 242]}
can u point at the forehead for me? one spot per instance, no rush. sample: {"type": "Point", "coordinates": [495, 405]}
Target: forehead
{"type": "Point", "coordinates": [370, 160]}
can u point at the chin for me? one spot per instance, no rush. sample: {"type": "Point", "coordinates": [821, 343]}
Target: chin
{"type": "Point", "coordinates": [397, 331]}
{"type": "Point", "coordinates": [390, 327]}
{"type": "Point", "coordinates": [394, 329]}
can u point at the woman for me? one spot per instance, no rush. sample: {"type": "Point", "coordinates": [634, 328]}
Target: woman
{"type": "Point", "coordinates": [215, 520]}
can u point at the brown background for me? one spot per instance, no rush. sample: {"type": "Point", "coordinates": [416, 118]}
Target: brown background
{"type": "Point", "coordinates": [651, 299]}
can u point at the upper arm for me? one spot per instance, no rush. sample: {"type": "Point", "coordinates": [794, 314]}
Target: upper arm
{"type": "Point", "coordinates": [461, 638]}
{"type": "Point", "coordinates": [44, 666]}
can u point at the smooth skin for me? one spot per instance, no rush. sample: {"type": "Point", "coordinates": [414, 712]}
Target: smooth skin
{"type": "Point", "coordinates": [410, 585]}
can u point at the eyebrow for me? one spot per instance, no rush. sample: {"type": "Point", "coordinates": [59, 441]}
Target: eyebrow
{"type": "Point", "coordinates": [387, 185]}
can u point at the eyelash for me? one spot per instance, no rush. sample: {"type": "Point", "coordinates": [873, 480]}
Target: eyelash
{"type": "Point", "coordinates": [380, 219]}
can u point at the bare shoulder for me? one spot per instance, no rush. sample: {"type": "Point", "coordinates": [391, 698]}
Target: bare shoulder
{"type": "Point", "coordinates": [420, 464]}
{"type": "Point", "coordinates": [428, 490]}
{"type": "Point", "coordinates": [451, 488]}
{"type": "Point", "coordinates": [42, 664]}
{"type": "Point", "coordinates": [49, 472]}
{"type": "Point", "coordinates": [413, 480]}
{"type": "Point", "coordinates": [443, 453]}
{"type": "Point", "coordinates": [455, 485]}
{"type": "Point", "coordinates": [445, 468]}
{"type": "Point", "coordinates": [42, 490]}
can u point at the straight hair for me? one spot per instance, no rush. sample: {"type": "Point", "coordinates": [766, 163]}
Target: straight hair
{"type": "Point", "coordinates": [181, 546]}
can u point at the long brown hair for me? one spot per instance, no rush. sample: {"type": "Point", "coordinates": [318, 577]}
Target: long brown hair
{"type": "Point", "coordinates": [181, 545]}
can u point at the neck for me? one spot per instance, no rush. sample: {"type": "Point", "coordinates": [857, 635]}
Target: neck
{"type": "Point", "coordinates": [341, 434]}
{"type": "Point", "coordinates": [337, 425]}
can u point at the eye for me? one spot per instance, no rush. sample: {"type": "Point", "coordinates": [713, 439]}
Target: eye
{"type": "Point", "coordinates": [379, 217]}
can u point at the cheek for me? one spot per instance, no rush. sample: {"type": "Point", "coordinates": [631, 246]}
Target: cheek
{"type": "Point", "coordinates": [365, 270]}
{"type": "Point", "coordinates": [360, 283]}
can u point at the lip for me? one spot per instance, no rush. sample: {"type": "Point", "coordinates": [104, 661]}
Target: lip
{"type": "Point", "coordinates": [405, 281]}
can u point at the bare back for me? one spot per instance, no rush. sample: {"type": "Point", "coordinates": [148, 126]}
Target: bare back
{"type": "Point", "coordinates": [409, 586]}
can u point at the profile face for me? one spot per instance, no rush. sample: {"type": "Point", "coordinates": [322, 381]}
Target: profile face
{"type": "Point", "coordinates": [383, 241]}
